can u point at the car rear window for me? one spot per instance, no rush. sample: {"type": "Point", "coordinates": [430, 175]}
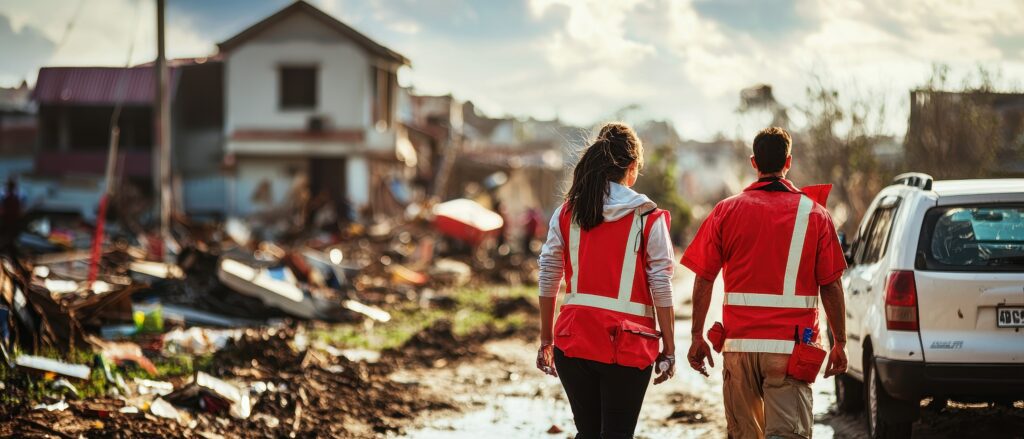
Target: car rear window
{"type": "Point", "coordinates": [973, 238]}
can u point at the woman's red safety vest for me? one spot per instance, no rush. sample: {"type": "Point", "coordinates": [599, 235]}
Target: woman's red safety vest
{"type": "Point", "coordinates": [608, 313]}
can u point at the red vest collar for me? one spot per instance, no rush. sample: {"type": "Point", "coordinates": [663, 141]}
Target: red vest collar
{"type": "Point", "coordinates": [818, 192]}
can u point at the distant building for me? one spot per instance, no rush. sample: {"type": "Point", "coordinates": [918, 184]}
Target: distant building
{"type": "Point", "coordinates": [17, 130]}
{"type": "Point", "coordinates": [307, 94]}
{"type": "Point", "coordinates": [297, 101]}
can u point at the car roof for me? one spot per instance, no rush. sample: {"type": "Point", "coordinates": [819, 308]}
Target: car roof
{"type": "Point", "coordinates": [947, 188]}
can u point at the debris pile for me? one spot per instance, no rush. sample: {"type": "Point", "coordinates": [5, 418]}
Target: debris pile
{"type": "Point", "coordinates": [215, 342]}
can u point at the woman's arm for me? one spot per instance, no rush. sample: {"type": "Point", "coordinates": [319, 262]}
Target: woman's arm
{"type": "Point", "coordinates": [550, 261]}
{"type": "Point", "coordinates": [550, 279]}
{"type": "Point", "coordinates": [660, 265]}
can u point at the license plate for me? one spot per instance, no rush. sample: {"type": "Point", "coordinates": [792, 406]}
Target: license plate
{"type": "Point", "coordinates": [1010, 317]}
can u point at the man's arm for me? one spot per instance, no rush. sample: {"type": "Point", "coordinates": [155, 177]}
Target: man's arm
{"type": "Point", "coordinates": [699, 349]}
{"type": "Point", "coordinates": [835, 310]}
{"type": "Point", "coordinates": [701, 304]}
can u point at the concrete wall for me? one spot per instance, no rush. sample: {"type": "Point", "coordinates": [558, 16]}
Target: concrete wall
{"type": "Point", "coordinates": [357, 181]}
{"type": "Point", "coordinates": [279, 173]}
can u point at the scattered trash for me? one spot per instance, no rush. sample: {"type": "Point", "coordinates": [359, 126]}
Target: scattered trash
{"type": "Point", "coordinates": [451, 272]}
{"type": "Point", "coordinates": [367, 310]}
{"type": "Point", "coordinates": [213, 395]}
{"type": "Point", "coordinates": [554, 430]}
{"type": "Point", "coordinates": [466, 220]}
{"type": "Point", "coordinates": [160, 407]}
{"type": "Point", "coordinates": [276, 287]}
{"type": "Point", "coordinates": [58, 406]}
{"type": "Point", "coordinates": [155, 270]}
{"type": "Point", "coordinates": [64, 388]}
{"type": "Point", "coordinates": [48, 365]}
{"type": "Point", "coordinates": [197, 341]}
{"type": "Point", "coordinates": [250, 294]}
{"type": "Point", "coordinates": [151, 387]}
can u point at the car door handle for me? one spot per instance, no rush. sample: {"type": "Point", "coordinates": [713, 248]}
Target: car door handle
{"type": "Point", "coordinates": [869, 288]}
{"type": "Point", "coordinates": [855, 292]}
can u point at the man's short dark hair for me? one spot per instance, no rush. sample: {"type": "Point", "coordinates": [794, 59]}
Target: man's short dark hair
{"type": "Point", "coordinates": [771, 148]}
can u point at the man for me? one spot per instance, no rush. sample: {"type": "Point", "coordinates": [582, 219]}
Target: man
{"type": "Point", "coordinates": [777, 248]}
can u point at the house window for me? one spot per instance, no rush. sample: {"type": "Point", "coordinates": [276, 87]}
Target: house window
{"type": "Point", "coordinates": [383, 87]}
{"type": "Point", "coordinates": [297, 87]}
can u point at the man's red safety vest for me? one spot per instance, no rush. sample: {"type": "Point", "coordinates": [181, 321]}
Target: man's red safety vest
{"type": "Point", "coordinates": [608, 313]}
{"type": "Point", "coordinates": [777, 248]}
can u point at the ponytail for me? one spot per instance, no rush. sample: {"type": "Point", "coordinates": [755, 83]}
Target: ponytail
{"type": "Point", "coordinates": [606, 160]}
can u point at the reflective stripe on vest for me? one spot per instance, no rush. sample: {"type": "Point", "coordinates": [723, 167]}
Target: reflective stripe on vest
{"type": "Point", "coordinates": [758, 345]}
{"type": "Point", "coordinates": [788, 298]}
{"type": "Point", "coordinates": [623, 302]}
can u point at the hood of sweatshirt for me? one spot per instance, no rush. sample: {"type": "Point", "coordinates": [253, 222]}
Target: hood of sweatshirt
{"type": "Point", "coordinates": [621, 201]}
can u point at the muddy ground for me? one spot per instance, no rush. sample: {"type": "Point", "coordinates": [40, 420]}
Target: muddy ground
{"type": "Point", "coordinates": [438, 385]}
{"type": "Point", "coordinates": [500, 394]}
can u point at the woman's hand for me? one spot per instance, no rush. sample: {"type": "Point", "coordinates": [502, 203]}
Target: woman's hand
{"type": "Point", "coordinates": [665, 366]}
{"type": "Point", "coordinates": [546, 359]}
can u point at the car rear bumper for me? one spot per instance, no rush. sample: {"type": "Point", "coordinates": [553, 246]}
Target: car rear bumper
{"type": "Point", "coordinates": [910, 380]}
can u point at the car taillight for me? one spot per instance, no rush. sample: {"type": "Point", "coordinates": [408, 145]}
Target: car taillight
{"type": "Point", "coordinates": [901, 301]}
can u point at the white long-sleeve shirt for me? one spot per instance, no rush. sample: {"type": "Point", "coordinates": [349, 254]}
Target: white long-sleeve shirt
{"type": "Point", "coordinates": [618, 202]}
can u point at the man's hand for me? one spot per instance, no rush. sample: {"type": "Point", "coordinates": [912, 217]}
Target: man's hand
{"type": "Point", "coordinates": [546, 359]}
{"type": "Point", "coordinates": [836, 361]}
{"type": "Point", "coordinates": [699, 350]}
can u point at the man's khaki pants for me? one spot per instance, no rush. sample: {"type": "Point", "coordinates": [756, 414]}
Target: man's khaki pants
{"type": "Point", "coordinates": [761, 401]}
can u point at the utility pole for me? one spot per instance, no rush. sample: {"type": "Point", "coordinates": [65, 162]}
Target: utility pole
{"type": "Point", "coordinates": [162, 158]}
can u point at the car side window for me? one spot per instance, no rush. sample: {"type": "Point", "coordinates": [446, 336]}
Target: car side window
{"type": "Point", "coordinates": [876, 237]}
{"type": "Point", "coordinates": [859, 244]}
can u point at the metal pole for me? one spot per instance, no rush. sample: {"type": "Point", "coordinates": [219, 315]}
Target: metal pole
{"type": "Point", "coordinates": [163, 156]}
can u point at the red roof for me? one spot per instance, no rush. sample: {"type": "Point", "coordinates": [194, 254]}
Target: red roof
{"type": "Point", "coordinates": [98, 85]}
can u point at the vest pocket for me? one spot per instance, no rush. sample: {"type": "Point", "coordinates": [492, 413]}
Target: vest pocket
{"type": "Point", "coordinates": [636, 345]}
{"type": "Point", "coordinates": [563, 334]}
{"type": "Point", "coordinates": [805, 362]}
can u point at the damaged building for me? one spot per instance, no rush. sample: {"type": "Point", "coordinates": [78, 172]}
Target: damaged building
{"type": "Point", "coordinates": [296, 103]}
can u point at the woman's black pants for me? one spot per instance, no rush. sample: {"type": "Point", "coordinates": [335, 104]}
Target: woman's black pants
{"type": "Point", "coordinates": [605, 398]}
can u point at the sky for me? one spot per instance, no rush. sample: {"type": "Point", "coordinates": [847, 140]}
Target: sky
{"type": "Point", "coordinates": [582, 60]}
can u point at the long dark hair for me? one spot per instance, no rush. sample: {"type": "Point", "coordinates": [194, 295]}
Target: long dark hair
{"type": "Point", "coordinates": [604, 161]}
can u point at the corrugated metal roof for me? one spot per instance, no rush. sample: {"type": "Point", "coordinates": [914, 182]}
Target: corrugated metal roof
{"type": "Point", "coordinates": [98, 85]}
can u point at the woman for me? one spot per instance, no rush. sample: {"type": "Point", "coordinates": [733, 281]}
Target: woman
{"type": "Point", "coordinates": [612, 246]}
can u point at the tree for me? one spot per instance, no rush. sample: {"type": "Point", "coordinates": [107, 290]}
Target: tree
{"type": "Point", "coordinates": [953, 132]}
{"type": "Point", "coordinates": [837, 146]}
{"type": "Point", "coordinates": [660, 181]}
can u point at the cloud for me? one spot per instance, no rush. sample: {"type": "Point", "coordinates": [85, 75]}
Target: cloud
{"type": "Point", "coordinates": [767, 19]}
{"type": "Point", "coordinates": [683, 60]}
{"type": "Point", "coordinates": [24, 50]}
{"type": "Point", "coordinates": [104, 32]}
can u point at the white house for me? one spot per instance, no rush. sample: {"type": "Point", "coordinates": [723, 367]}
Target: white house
{"type": "Point", "coordinates": [307, 97]}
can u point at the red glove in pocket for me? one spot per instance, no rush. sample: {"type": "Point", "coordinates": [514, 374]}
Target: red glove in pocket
{"type": "Point", "coordinates": [716, 335]}
{"type": "Point", "coordinates": [805, 362]}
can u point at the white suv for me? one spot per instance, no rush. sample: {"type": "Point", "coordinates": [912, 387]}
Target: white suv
{"type": "Point", "coordinates": [934, 299]}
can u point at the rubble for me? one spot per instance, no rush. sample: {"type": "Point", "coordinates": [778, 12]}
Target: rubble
{"type": "Point", "coordinates": [213, 343]}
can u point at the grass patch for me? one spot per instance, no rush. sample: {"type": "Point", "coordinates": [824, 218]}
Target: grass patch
{"type": "Point", "coordinates": [39, 388]}
{"type": "Point", "coordinates": [473, 311]}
